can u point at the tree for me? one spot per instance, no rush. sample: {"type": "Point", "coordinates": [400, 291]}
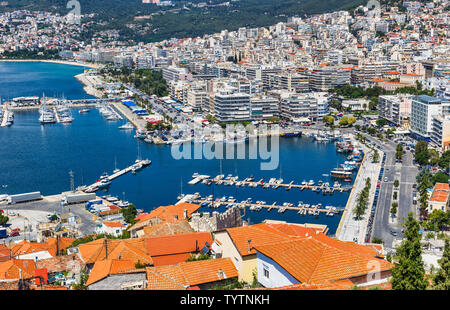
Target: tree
{"type": "Point", "coordinates": [440, 177]}
{"type": "Point", "coordinates": [409, 273]}
{"type": "Point", "coordinates": [3, 219]}
{"type": "Point", "coordinates": [399, 152]}
{"type": "Point", "coordinates": [421, 152]}
{"type": "Point", "coordinates": [328, 120]}
{"type": "Point", "coordinates": [396, 183]}
{"type": "Point", "coordinates": [441, 280]}
{"type": "Point", "coordinates": [394, 208]}
{"type": "Point", "coordinates": [129, 214]}
{"type": "Point", "coordinates": [381, 122]}
{"type": "Point", "coordinates": [437, 220]}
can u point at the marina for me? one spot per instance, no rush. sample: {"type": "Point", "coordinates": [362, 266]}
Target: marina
{"type": "Point", "coordinates": [273, 183]}
{"type": "Point", "coordinates": [105, 179]}
{"type": "Point", "coordinates": [301, 208]}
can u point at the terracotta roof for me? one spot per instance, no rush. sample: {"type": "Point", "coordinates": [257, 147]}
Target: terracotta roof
{"type": "Point", "coordinates": [173, 212]}
{"type": "Point", "coordinates": [4, 253]}
{"type": "Point", "coordinates": [177, 244]}
{"type": "Point", "coordinates": [173, 259]}
{"type": "Point", "coordinates": [440, 192]}
{"type": "Point", "coordinates": [60, 263]}
{"type": "Point", "coordinates": [191, 273]}
{"type": "Point", "coordinates": [319, 258]}
{"type": "Point", "coordinates": [17, 268]}
{"type": "Point", "coordinates": [127, 249]}
{"type": "Point", "coordinates": [64, 243]}
{"type": "Point", "coordinates": [113, 224]}
{"type": "Point", "coordinates": [9, 285]}
{"type": "Point", "coordinates": [104, 268]}
{"type": "Point", "coordinates": [26, 247]}
{"type": "Point", "coordinates": [167, 228]}
{"type": "Point", "coordinates": [259, 234]}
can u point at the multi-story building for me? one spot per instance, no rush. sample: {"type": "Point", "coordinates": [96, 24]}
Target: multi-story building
{"type": "Point", "coordinates": [290, 81]}
{"type": "Point", "coordinates": [174, 74]}
{"type": "Point", "coordinates": [231, 107]}
{"type": "Point", "coordinates": [423, 108]}
{"type": "Point", "coordinates": [325, 78]}
{"type": "Point", "coordinates": [263, 107]}
{"type": "Point", "coordinates": [395, 109]}
{"type": "Point", "coordinates": [440, 131]}
{"type": "Point", "coordinates": [299, 108]}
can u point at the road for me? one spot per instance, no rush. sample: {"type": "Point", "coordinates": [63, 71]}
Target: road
{"type": "Point", "coordinates": [51, 205]}
{"type": "Point", "coordinates": [406, 173]}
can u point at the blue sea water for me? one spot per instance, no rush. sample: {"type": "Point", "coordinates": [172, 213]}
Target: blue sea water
{"type": "Point", "coordinates": [34, 157]}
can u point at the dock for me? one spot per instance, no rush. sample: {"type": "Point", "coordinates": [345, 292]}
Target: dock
{"type": "Point", "coordinates": [324, 187]}
{"type": "Point", "coordinates": [301, 208]}
{"type": "Point", "coordinates": [137, 165]}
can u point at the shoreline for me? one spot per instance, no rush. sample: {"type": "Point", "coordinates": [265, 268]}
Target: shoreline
{"type": "Point", "coordinates": [62, 62]}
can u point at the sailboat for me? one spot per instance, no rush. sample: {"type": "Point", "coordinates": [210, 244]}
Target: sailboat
{"type": "Point", "coordinates": [181, 196]}
{"type": "Point", "coordinates": [46, 115]}
{"type": "Point", "coordinates": [115, 165]}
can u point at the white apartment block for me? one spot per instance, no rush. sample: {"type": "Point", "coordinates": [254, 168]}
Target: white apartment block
{"type": "Point", "coordinates": [395, 108]}
{"type": "Point", "coordinates": [231, 107]}
{"type": "Point", "coordinates": [299, 108]}
{"type": "Point", "coordinates": [264, 107]}
{"type": "Point", "coordinates": [423, 108]}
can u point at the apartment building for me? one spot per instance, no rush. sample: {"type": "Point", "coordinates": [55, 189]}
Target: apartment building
{"type": "Point", "coordinates": [172, 73]}
{"type": "Point", "coordinates": [323, 79]}
{"type": "Point", "coordinates": [395, 109]}
{"type": "Point", "coordinates": [440, 131]}
{"type": "Point", "coordinates": [231, 107]}
{"type": "Point", "coordinates": [299, 108]}
{"type": "Point", "coordinates": [264, 107]}
{"type": "Point", "coordinates": [290, 81]}
{"type": "Point", "coordinates": [423, 108]}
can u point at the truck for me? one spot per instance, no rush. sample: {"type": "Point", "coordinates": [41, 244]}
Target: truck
{"type": "Point", "coordinates": [77, 197]}
{"type": "Point", "coordinates": [24, 197]}
{"type": "Point", "coordinates": [3, 233]}
{"type": "Point", "coordinates": [92, 202]}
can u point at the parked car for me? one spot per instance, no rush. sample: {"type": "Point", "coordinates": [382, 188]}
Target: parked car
{"type": "Point", "coordinates": [394, 233]}
{"type": "Point", "coordinates": [14, 234]}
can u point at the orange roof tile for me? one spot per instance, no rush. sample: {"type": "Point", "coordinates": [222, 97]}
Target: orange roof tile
{"type": "Point", "coordinates": [16, 269]}
{"type": "Point", "coordinates": [63, 243]}
{"type": "Point", "coordinates": [104, 268]}
{"type": "Point", "coordinates": [168, 228]}
{"type": "Point", "coordinates": [26, 247]}
{"type": "Point", "coordinates": [319, 258]}
{"type": "Point", "coordinates": [177, 244]}
{"type": "Point", "coordinates": [113, 224]}
{"type": "Point", "coordinates": [171, 213]}
{"type": "Point", "coordinates": [191, 273]}
{"type": "Point", "coordinates": [259, 234]}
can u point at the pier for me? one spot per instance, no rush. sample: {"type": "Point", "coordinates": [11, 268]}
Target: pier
{"type": "Point", "coordinates": [301, 208]}
{"type": "Point", "coordinates": [324, 187]}
{"type": "Point", "coordinates": [139, 164]}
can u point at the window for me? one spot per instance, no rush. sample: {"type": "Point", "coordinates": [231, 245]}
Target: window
{"type": "Point", "coordinates": [266, 272]}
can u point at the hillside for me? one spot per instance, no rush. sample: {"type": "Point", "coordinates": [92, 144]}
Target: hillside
{"type": "Point", "coordinates": [185, 19]}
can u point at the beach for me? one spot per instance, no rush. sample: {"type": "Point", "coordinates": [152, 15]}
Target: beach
{"type": "Point", "coordinates": [63, 62]}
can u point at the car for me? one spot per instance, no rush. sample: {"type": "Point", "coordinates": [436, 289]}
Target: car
{"type": "Point", "coordinates": [394, 233]}
{"type": "Point", "coordinates": [14, 234]}
{"type": "Point", "coordinates": [385, 179]}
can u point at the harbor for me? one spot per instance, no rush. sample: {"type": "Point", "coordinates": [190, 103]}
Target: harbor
{"type": "Point", "coordinates": [301, 208]}
{"type": "Point", "coordinates": [273, 183]}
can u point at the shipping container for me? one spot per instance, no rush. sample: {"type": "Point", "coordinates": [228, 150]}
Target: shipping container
{"type": "Point", "coordinates": [78, 198]}
{"type": "Point", "coordinates": [25, 197]}
{"type": "Point", "coordinates": [92, 202]}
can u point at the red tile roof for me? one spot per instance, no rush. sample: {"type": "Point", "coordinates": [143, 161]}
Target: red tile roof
{"type": "Point", "coordinates": [175, 244]}
{"type": "Point", "coordinates": [188, 274]}
{"type": "Point", "coordinates": [319, 258]}
{"type": "Point", "coordinates": [16, 269]}
{"type": "Point", "coordinates": [104, 268]}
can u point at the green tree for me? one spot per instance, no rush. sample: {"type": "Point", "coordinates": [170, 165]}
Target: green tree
{"type": "Point", "coordinates": [409, 273]}
{"type": "Point", "coordinates": [381, 122]}
{"type": "Point", "coordinates": [441, 280]}
{"type": "Point", "coordinates": [3, 219]}
{"type": "Point", "coordinates": [328, 120]}
{"type": "Point", "coordinates": [421, 152]}
{"type": "Point", "coordinates": [129, 214]}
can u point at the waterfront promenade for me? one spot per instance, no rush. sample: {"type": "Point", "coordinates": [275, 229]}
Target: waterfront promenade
{"type": "Point", "coordinates": [138, 122]}
{"type": "Point", "coordinates": [349, 228]}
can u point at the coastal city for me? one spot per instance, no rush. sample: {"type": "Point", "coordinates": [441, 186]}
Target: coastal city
{"type": "Point", "coordinates": [311, 153]}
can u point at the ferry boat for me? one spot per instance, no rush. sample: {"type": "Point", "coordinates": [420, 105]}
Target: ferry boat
{"type": "Point", "coordinates": [341, 173]}
{"type": "Point", "coordinates": [291, 134]}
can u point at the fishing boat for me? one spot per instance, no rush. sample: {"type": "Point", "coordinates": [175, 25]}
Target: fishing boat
{"type": "Point", "coordinates": [291, 134]}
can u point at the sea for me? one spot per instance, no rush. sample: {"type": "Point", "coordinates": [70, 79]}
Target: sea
{"type": "Point", "coordinates": [35, 157]}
